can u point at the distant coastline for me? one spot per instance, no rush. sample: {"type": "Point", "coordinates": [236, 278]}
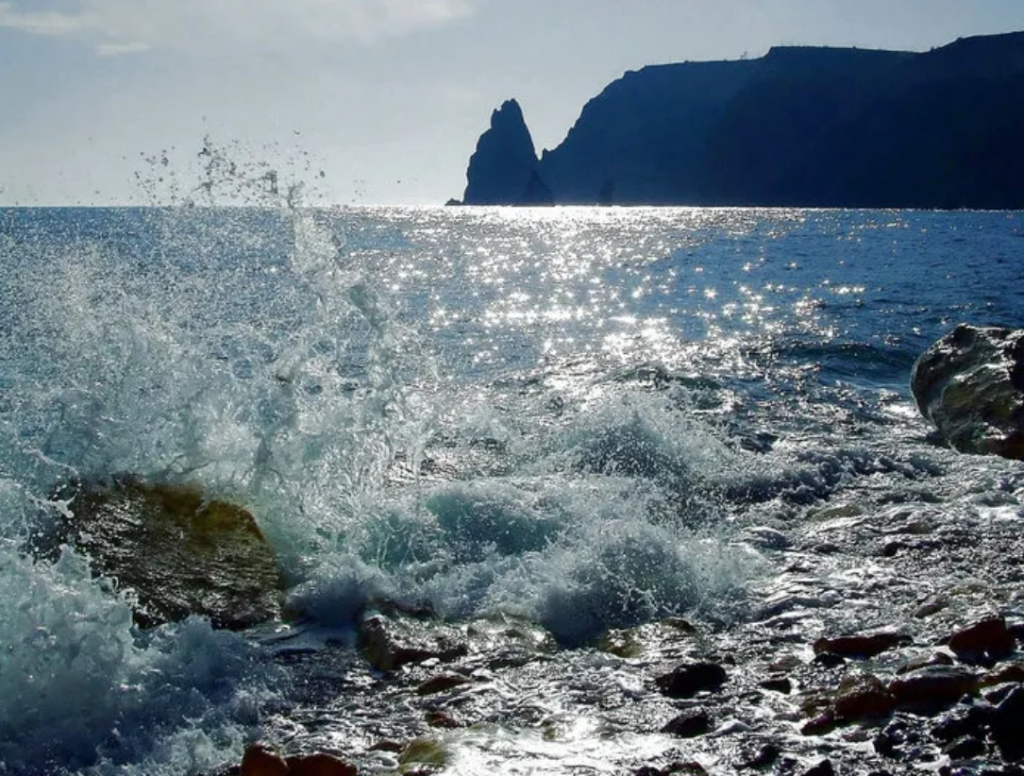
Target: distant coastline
{"type": "Point", "coordinates": [800, 126]}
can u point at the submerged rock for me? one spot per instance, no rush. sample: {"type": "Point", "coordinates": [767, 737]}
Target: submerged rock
{"type": "Point", "coordinates": [688, 679]}
{"type": "Point", "coordinates": [970, 384]}
{"type": "Point", "coordinates": [177, 552]}
{"type": "Point", "coordinates": [389, 644]}
{"type": "Point", "coordinates": [860, 646]}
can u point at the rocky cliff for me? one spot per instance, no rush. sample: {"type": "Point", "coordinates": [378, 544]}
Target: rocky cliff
{"type": "Point", "coordinates": [503, 170]}
{"type": "Point", "coordinates": [801, 126]}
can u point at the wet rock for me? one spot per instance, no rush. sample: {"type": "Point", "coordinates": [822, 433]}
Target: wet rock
{"type": "Point", "coordinates": [970, 720]}
{"type": "Point", "coordinates": [319, 764]}
{"type": "Point", "coordinates": [179, 552]}
{"type": "Point", "coordinates": [780, 684]}
{"type": "Point", "coordinates": [689, 724]}
{"type": "Point", "coordinates": [983, 642]}
{"type": "Point", "coordinates": [261, 760]}
{"type": "Point", "coordinates": [860, 646]}
{"type": "Point", "coordinates": [763, 756]}
{"type": "Point", "coordinates": [441, 683]}
{"type": "Point", "coordinates": [766, 538]}
{"type": "Point", "coordinates": [823, 768]}
{"type": "Point", "coordinates": [390, 644]}
{"type": "Point", "coordinates": [935, 659]}
{"type": "Point", "coordinates": [892, 738]}
{"type": "Point", "coordinates": [829, 660]}
{"type": "Point", "coordinates": [965, 748]}
{"type": "Point", "coordinates": [931, 605]}
{"type": "Point", "coordinates": [440, 719]}
{"type": "Point", "coordinates": [863, 697]}
{"type": "Point", "coordinates": [970, 384]}
{"type": "Point", "coordinates": [933, 688]}
{"type": "Point", "coordinates": [820, 725]}
{"type": "Point", "coordinates": [688, 679]}
{"type": "Point", "coordinates": [1014, 672]}
{"type": "Point", "coordinates": [1008, 726]}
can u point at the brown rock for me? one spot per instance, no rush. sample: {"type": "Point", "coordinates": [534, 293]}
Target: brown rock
{"type": "Point", "coordinates": [390, 644]}
{"type": "Point", "coordinates": [689, 724]}
{"type": "Point", "coordinates": [863, 697]}
{"type": "Point", "coordinates": [260, 760]}
{"type": "Point", "coordinates": [820, 725]}
{"type": "Point", "coordinates": [441, 683]}
{"type": "Point", "coordinates": [860, 646]}
{"type": "Point", "coordinates": [688, 679]}
{"type": "Point", "coordinates": [320, 764]}
{"type": "Point", "coordinates": [440, 719]}
{"type": "Point", "coordinates": [1013, 672]}
{"type": "Point", "coordinates": [179, 551]}
{"type": "Point", "coordinates": [933, 688]}
{"type": "Point", "coordinates": [935, 659]}
{"type": "Point", "coordinates": [983, 641]}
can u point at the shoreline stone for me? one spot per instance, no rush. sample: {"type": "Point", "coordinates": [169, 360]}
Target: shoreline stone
{"type": "Point", "coordinates": [970, 384]}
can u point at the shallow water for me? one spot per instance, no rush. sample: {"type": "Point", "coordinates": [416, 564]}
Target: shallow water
{"type": "Point", "coordinates": [571, 416]}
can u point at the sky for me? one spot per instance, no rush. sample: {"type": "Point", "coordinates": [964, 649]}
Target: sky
{"type": "Point", "coordinates": [361, 101]}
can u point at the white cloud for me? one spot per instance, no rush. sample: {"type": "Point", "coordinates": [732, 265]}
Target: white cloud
{"type": "Point", "coordinates": [116, 49]}
{"type": "Point", "coordinates": [129, 26]}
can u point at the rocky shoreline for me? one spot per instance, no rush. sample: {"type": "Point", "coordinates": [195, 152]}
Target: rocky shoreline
{"type": "Point", "coordinates": [882, 676]}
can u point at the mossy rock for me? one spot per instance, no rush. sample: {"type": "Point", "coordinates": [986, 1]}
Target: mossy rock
{"type": "Point", "coordinates": [177, 552]}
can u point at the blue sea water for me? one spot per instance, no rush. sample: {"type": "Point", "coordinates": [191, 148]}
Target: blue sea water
{"type": "Point", "coordinates": [566, 414]}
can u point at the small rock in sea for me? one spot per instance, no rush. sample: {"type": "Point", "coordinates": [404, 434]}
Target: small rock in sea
{"type": "Point", "coordinates": [964, 748]}
{"type": "Point", "coordinates": [1012, 672]}
{"type": "Point", "coordinates": [319, 764]}
{"type": "Point", "coordinates": [780, 684]}
{"type": "Point", "coordinates": [687, 680]}
{"type": "Point", "coordinates": [1008, 724]}
{"type": "Point", "coordinates": [441, 683]}
{"type": "Point", "coordinates": [261, 760]}
{"type": "Point", "coordinates": [440, 719]}
{"type": "Point", "coordinates": [689, 724]}
{"type": "Point", "coordinates": [963, 720]}
{"type": "Point", "coordinates": [823, 768]}
{"type": "Point", "coordinates": [933, 688]}
{"type": "Point", "coordinates": [861, 646]}
{"type": "Point", "coordinates": [892, 737]}
{"type": "Point", "coordinates": [970, 384]}
{"type": "Point", "coordinates": [386, 745]}
{"type": "Point", "coordinates": [931, 605]}
{"type": "Point", "coordinates": [829, 660]}
{"type": "Point", "coordinates": [984, 642]}
{"type": "Point", "coordinates": [390, 644]}
{"type": "Point", "coordinates": [763, 756]}
{"type": "Point", "coordinates": [934, 659]}
{"type": "Point", "coordinates": [824, 723]}
{"type": "Point", "coordinates": [766, 538]}
{"type": "Point", "coordinates": [862, 697]}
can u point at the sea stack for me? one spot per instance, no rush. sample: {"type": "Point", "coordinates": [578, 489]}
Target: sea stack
{"type": "Point", "coordinates": [503, 170]}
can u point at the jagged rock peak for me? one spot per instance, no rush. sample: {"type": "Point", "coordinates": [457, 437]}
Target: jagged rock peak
{"type": "Point", "coordinates": [503, 169]}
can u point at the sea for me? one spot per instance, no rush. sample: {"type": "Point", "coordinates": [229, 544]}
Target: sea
{"type": "Point", "coordinates": [579, 418]}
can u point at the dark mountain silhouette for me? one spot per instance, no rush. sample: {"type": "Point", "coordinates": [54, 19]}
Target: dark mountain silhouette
{"type": "Point", "coordinates": [807, 126]}
{"type": "Point", "coordinates": [503, 170]}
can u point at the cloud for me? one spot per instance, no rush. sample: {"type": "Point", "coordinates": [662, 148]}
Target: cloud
{"type": "Point", "coordinates": [131, 26]}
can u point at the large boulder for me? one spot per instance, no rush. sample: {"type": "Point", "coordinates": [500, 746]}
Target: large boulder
{"type": "Point", "coordinates": [176, 552]}
{"type": "Point", "coordinates": [970, 384]}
